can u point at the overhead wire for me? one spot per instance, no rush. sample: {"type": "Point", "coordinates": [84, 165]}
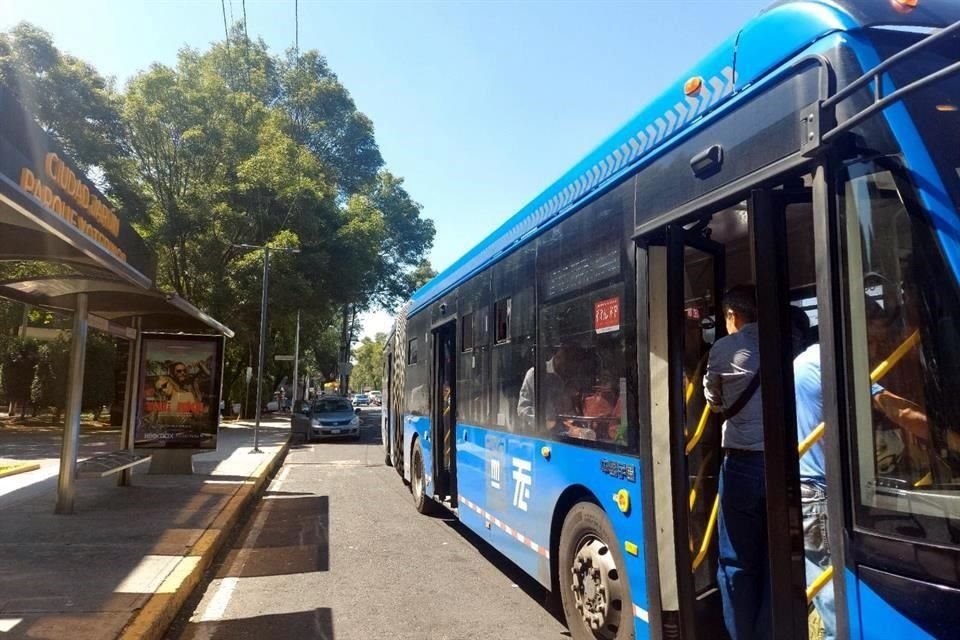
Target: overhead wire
{"type": "Point", "coordinates": [226, 38]}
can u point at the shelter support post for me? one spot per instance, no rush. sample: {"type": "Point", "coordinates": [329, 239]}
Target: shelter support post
{"type": "Point", "coordinates": [66, 482]}
{"type": "Point", "coordinates": [131, 398]}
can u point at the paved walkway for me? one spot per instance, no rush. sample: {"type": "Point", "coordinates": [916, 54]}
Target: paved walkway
{"type": "Point", "coordinates": [129, 555]}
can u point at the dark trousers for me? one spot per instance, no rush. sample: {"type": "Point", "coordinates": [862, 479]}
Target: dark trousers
{"type": "Point", "coordinates": [743, 573]}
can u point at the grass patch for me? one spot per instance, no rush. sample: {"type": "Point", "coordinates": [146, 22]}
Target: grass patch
{"type": "Point", "coordinates": [16, 467]}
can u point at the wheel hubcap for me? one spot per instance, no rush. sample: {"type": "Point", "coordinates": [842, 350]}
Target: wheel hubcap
{"type": "Point", "coordinates": [417, 477]}
{"type": "Point", "coordinates": [597, 588]}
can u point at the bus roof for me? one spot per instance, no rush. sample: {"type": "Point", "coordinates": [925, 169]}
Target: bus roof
{"type": "Point", "coordinates": [775, 35]}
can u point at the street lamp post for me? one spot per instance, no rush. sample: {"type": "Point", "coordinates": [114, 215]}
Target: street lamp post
{"type": "Point", "coordinates": [263, 334]}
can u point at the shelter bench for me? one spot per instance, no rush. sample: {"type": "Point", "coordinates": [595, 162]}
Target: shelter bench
{"type": "Point", "coordinates": [105, 464]}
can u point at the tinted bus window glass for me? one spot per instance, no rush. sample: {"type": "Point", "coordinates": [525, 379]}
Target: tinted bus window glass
{"type": "Point", "coordinates": [418, 373]}
{"type": "Point", "coordinates": [906, 352]}
{"type": "Point", "coordinates": [581, 379]}
{"type": "Point", "coordinates": [502, 320]}
{"type": "Point", "coordinates": [473, 370]}
{"type": "Point", "coordinates": [515, 333]}
{"type": "Point", "coordinates": [466, 332]}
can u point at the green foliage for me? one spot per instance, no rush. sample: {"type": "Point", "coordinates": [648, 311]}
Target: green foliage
{"type": "Point", "coordinates": [17, 368]}
{"type": "Point", "coordinates": [49, 386]}
{"type": "Point", "coordinates": [368, 370]}
{"type": "Point", "coordinates": [75, 104]}
{"type": "Point", "coordinates": [235, 145]}
{"type": "Point", "coordinates": [98, 375]}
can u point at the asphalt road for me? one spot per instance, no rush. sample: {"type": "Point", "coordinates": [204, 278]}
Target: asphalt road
{"type": "Point", "coordinates": [335, 549]}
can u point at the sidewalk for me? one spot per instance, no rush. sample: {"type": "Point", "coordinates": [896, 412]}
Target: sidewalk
{"type": "Point", "coordinates": [126, 560]}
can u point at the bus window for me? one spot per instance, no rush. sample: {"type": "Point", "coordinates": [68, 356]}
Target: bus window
{"type": "Point", "coordinates": [905, 341]}
{"type": "Point", "coordinates": [512, 354]}
{"type": "Point", "coordinates": [581, 363]}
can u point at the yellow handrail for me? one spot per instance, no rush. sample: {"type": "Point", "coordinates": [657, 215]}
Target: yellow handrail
{"type": "Point", "coordinates": [708, 534]}
{"type": "Point", "coordinates": [819, 583]}
{"type": "Point", "coordinates": [881, 370]}
{"type": "Point", "coordinates": [698, 432]}
{"type": "Point", "coordinates": [807, 443]}
{"type": "Point", "coordinates": [699, 479]}
{"type": "Point", "coordinates": [894, 358]}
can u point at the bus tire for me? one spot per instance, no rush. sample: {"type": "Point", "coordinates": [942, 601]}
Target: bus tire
{"type": "Point", "coordinates": [418, 481]}
{"type": "Point", "coordinates": [594, 590]}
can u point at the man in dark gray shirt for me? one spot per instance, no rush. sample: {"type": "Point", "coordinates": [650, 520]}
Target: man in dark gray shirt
{"type": "Point", "coordinates": [731, 386]}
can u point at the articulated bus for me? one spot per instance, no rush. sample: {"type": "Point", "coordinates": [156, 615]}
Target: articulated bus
{"type": "Point", "coordinates": [547, 386]}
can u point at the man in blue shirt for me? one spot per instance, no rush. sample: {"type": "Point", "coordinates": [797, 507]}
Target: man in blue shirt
{"type": "Point", "coordinates": [813, 482]}
{"type": "Point", "coordinates": [731, 387]}
{"type": "Point", "coordinates": [813, 470]}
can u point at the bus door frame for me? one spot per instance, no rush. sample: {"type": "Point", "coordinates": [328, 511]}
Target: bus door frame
{"type": "Point", "coordinates": [677, 239]}
{"type": "Point", "coordinates": [444, 479]}
{"type": "Point", "coordinates": [788, 602]}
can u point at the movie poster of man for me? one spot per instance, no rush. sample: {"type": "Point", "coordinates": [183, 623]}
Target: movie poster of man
{"type": "Point", "coordinates": [180, 391]}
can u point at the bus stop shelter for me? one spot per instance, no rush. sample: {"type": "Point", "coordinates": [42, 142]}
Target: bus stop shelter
{"type": "Point", "coordinates": [78, 256]}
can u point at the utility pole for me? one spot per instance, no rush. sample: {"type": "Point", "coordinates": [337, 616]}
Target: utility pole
{"type": "Point", "coordinates": [296, 363]}
{"type": "Point", "coordinates": [263, 340]}
{"type": "Point", "coordinates": [263, 334]}
{"type": "Point", "coordinates": [345, 352]}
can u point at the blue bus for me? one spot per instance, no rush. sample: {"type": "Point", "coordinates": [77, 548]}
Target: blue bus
{"type": "Point", "coordinates": [546, 387]}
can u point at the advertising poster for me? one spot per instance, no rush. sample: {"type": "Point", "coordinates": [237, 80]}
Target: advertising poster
{"type": "Point", "coordinates": [180, 391]}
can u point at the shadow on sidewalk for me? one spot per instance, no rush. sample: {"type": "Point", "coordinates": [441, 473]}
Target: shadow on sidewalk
{"type": "Point", "coordinates": [84, 575]}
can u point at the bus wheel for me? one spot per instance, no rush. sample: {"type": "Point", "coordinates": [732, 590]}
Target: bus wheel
{"type": "Point", "coordinates": [418, 484]}
{"type": "Point", "coordinates": [593, 586]}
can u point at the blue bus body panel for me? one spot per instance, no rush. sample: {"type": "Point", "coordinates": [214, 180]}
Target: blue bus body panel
{"type": "Point", "coordinates": [879, 621]}
{"type": "Point", "coordinates": [508, 491]}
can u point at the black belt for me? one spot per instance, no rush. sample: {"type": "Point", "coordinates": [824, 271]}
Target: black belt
{"type": "Point", "coordinates": [741, 452]}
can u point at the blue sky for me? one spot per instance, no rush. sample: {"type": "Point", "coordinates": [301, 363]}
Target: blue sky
{"type": "Point", "coordinates": [478, 105]}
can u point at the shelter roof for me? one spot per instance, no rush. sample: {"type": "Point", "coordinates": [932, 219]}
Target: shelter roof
{"type": "Point", "coordinates": [54, 218]}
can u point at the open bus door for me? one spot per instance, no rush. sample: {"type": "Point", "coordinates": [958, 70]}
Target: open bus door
{"type": "Point", "coordinates": [691, 265]}
{"type": "Point", "coordinates": [695, 282]}
{"type": "Point", "coordinates": [444, 408]}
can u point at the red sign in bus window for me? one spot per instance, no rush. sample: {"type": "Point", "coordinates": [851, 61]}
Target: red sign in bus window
{"type": "Point", "coordinates": [606, 315]}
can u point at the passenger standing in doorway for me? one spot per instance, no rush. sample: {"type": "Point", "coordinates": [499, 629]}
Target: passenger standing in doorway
{"type": "Point", "coordinates": [731, 386]}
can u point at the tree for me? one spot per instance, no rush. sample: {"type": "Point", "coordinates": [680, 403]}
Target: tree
{"type": "Point", "coordinates": [368, 370]}
{"type": "Point", "coordinates": [236, 145]}
{"type": "Point", "coordinates": [17, 370]}
{"type": "Point", "coordinates": [421, 275]}
{"type": "Point", "coordinates": [76, 105]}
{"type": "Point", "coordinates": [98, 376]}
{"type": "Point", "coordinates": [49, 386]}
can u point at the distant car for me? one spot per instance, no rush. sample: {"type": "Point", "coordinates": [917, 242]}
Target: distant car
{"type": "Point", "coordinates": [376, 398]}
{"type": "Point", "coordinates": [361, 400]}
{"type": "Point", "coordinates": [326, 417]}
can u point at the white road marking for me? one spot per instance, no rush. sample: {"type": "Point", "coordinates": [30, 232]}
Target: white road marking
{"type": "Point", "coordinates": [219, 601]}
{"type": "Point", "coordinates": [217, 606]}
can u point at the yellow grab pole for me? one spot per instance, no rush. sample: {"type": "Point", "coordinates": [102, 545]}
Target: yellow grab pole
{"type": "Point", "coordinates": [817, 585]}
{"type": "Point", "coordinates": [708, 534]}
{"type": "Point", "coordinates": [698, 432]}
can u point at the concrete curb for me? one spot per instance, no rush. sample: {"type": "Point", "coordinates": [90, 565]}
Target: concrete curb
{"type": "Point", "coordinates": [20, 468]}
{"type": "Point", "coordinates": [154, 618]}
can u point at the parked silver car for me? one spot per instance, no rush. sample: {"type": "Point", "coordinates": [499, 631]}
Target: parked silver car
{"type": "Point", "coordinates": [329, 416]}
